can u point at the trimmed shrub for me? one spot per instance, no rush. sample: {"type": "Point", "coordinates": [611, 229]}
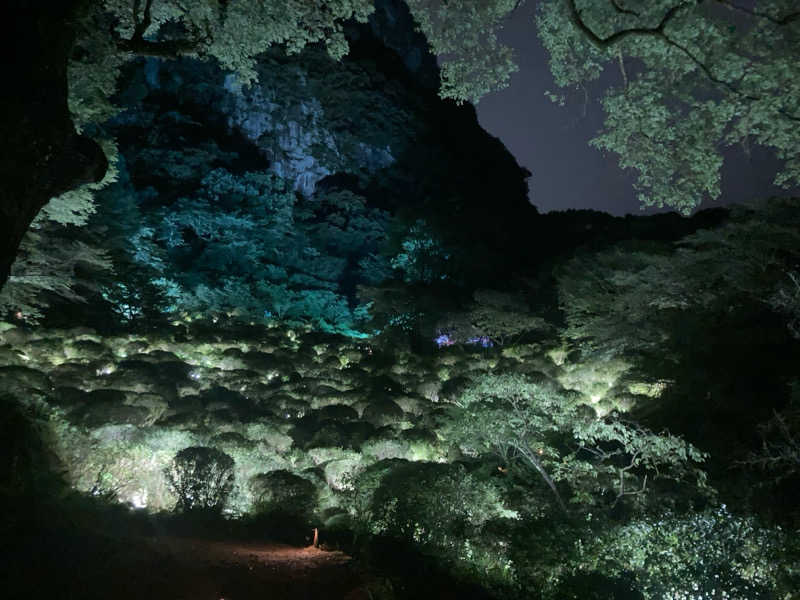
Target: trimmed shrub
{"type": "Point", "coordinates": [202, 478]}
{"type": "Point", "coordinates": [283, 492]}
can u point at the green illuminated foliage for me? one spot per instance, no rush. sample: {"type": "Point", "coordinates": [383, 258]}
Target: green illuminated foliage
{"type": "Point", "coordinates": [712, 554]}
{"type": "Point", "coordinates": [581, 458]}
{"type": "Point", "coordinates": [51, 265]}
{"type": "Point", "coordinates": [609, 303]}
{"type": "Point", "coordinates": [787, 301]}
{"type": "Point", "coordinates": [148, 418]}
{"type": "Point", "coordinates": [491, 318]}
{"type": "Point", "coordinates": [573, 58]}
{"type": "Point", "coordinates": [464, 34]}
{"type": "Point", "coordinates": [431, 504]}
{"type": "Point", "coordinates": [234, 34]}
{"type": "Point", "coordinates": [503, 316]}
{"type": "Point", "coordinates": [283, 492]}
{"type": "Point", "coordinates": [779, 455]}
{"type": "Point", "coordinates": [636, 301]}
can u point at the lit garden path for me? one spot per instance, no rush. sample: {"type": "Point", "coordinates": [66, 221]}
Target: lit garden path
{"type": "Point", "coordinates": [178, 568]}
{"type": "Point", "coordinates": [280, 558]}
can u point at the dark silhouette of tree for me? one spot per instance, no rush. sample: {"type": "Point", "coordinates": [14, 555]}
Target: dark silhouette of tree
{"type": "Point", "coordinates": [202, 478]}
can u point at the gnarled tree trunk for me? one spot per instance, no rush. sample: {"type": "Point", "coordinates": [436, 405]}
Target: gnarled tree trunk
{"type": "Point", "coordinates": [43, 156]}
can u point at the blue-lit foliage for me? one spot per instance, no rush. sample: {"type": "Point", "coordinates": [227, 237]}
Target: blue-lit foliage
{"type": "Point", "coordinates": [422, 258]}
{"type": "Point", "coordinates": [444, 339]}
{"type": "Point", "coordinates": [245, 245]}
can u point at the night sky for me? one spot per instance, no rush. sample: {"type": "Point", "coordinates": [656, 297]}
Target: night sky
{"type": "Point", "coordinates": [552, 141]}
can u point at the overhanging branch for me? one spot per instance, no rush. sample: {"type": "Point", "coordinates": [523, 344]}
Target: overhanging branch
{"type": "Point", "coordinates": [658, 32]}
{"type": "Point", "coordinates": [166, 49]}
{"type": "Point", "coordinates": [784, 20]}
{"type": "Point", "coordinates": [138, 45]}
{"type": "Point", "coordinates": [618, 36]}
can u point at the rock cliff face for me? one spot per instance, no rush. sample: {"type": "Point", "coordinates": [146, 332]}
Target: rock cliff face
{"type": "Point", "coordinates": [371, 123]}
{"type": "Point", "coordinates": [326, 175]}
{"type": "Point", "coordinates": [393, 24]}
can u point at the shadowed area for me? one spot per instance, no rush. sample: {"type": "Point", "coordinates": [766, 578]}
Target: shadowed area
{"type": "Point", "coordinates": [169, 566]}
{"type": "Point", "coordinates": [197, 568]}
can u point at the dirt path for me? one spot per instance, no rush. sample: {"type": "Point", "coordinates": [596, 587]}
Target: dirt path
{"type": "Point", "coordinates": [175, 568]}
{"type": "Point", "coordinates": [280, 559]}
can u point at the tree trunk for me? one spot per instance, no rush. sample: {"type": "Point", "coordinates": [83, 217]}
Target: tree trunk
{"type": "Point", "coordinates": [43, 154]}
{"type": "Point", "coordinates": [531, 457]}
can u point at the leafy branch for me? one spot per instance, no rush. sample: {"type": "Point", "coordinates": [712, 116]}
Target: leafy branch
{"type": "Point", "coordinates": [659, 32]}
{"type": "Point", "coordinates": [137, 44]}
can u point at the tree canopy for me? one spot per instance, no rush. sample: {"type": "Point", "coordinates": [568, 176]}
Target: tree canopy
{"type": "Point", "coordinates": [600, 460]}
{"type": "Point", "coordinates": [639, 299]}
{"type": "Point", "coordinates": [697, 77]}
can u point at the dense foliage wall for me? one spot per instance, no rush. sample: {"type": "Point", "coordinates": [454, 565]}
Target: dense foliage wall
{"type": "Point", "coordinates": [537, 462]}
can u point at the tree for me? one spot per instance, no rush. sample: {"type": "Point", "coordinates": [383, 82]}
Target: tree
{"type": "Point", "coordinates": [732, 77]}
{"type": "Point", "coordinates": [202, 478]}
{"type": "Point", "coordinates": [50, 157]}
{"type": "Point", "coordinates": [50, 260]}
{"type": "Point", "coordinates": [245, 245]}
{"type": "Point", "coordinates": [727, 83]}
{"type": "Point", "coordinates": [697, 76]}
{"type": "Point", "coordinates": [632, 300]}
{"type": "Point", "coordinates": [786, 300]}
{"type": "Point", "coordinates": [28, 471]}
{"type": "Point", "coordinates": [464, 35]}
{"type": "Point", "coordinates": [610, 302]}
{"type": "Point", "coordinates": [503, 316]}
{"type": "Point", "coordinates": [697, 323]}
{"type": "Point", "coordinates": [534, 425]}
{"type": "Point", "coordinates": [432, 504]}
{"type": "Point", "coordinates": [283, 493]}
{"type": "Point", "coordinates": [491, 318]}
{"type": "Point", "coordinates": [422, 257]}
{"type": "Point", "coordinates": [779, 455]}
{"type": "Point", "coordinates": [709, 554]}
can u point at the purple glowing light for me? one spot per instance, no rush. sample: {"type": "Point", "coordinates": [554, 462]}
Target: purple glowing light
{"type": "Point", "coordinates": [444, 339]}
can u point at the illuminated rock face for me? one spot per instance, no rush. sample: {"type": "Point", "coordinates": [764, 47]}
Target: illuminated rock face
{"type": "Point", "coordinates": [316, 175]}
{"type": "Point", "coordinates": [310, 117]}
{"type": "Point", "coordinates": [371, 123]}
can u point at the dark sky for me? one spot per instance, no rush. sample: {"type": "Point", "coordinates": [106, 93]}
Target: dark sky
{"type": "Point", "coordinates": [551, 141]}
